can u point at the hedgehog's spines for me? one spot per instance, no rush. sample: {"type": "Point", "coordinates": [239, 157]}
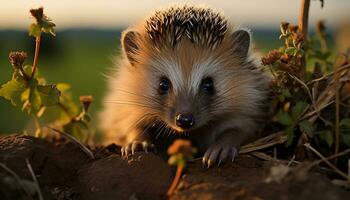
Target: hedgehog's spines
{"type": "Point", "coordinates": [201, 26]}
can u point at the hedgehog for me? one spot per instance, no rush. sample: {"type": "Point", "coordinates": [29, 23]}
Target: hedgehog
{"type": "Point", "coordinates": [185, 73]}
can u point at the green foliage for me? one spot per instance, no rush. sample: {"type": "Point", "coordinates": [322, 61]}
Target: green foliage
{"type": "Point", "coordinates": [298, 95]}
{"type": "Point", "coordinates": [306, 127]}
{"type": "Point", "coordinates": [291, 120]}
{"type": "Point", "coordinates": [345, 130]}
{"type": "Point", "coordinates": [12, 91]}
{"type": "Point", "coordinates": [49, 103]}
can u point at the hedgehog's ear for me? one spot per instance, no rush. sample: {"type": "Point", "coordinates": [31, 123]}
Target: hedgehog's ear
{"type": "Point", "coordinates": [130, 44]}
{"type": "Point", "coordinates": [241, 43]}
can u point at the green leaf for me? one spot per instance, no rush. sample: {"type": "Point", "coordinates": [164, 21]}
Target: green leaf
{"type": "Point", "coordinates": [344, 126]}
{"type": "Point", "coordinates": [25, 95]}
{"type": "Point", "coordinates": [284, 94]}
{"type": "Point", "coordinates": [345, 138]}
{"type": "Point", "coordinates": [55, 114]}
{"type": "Point", "coordinates": [290, 135]}
{"type": "Point", "coordinates": [48, 26]}
{"type": "Point", "coordinates": [345, 122]}
{"type": "Point", "coordinates": [86, 118]}
{"type": "Point", "coordinates": [328, 137]}
{"type": "Point", "coordinates": [284, 118]}
{"type": "Point", "coordinates": [65, 110]}
{"type": "Point", "coordinates": [28, 70]}
{"type": "Point", "coordinates": [34, 99]}
{"type": "Point", "coordinates": [291, 51]}
{"type": "Point", "coordinates": [12, 91]}
{"type": "Point", "coordinates": [77, 129]}
{"type": "Point", "coordinates": [298, 109]}
{"type": "Point", "coordinates": [306, 127]}
{"type": "Point", "coordinates": [63, 87]}
{"type": "Point", "coordinates": [34, 30]}
{"type": "Point", "coordinates": [49, 94]}
{"type": "Point", "coordinates": [31, 97]}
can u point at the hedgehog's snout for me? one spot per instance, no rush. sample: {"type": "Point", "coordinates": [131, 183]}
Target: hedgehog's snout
{"type": "Point", "coordinates": [184, 120]}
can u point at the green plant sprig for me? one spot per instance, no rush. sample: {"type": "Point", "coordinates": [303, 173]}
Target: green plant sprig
{"type": "Point", "coordinates": [180, 152]}
{"type": "Point", "coordinates": [27, 89]}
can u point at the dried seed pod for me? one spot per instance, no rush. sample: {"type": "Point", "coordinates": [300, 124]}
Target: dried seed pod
{"type": "Point", "coordinates": [271, 57]}
{"type": "Point", "coordinates": [17, 59]}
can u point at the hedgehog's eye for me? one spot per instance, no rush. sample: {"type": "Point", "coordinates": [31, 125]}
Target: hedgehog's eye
{"type": "Point", "coordinates": [208, 85]}
{"type": "Point", "coordinates": [164, 85]}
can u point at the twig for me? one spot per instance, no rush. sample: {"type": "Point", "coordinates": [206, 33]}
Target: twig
{"type": "Point", "coordinates": [40, 195]}
{"type": "Point", "coordinates": [338, 69]}
{"type": "Point", "coordinates": [36, 55]}
{"type": "Point", "coordinates": [304, 86]}
{"type": "Point", "coordinates": [342, 174]}
{"type": "Point", "coordinates": [75, 141]}
{"type": "Point", "coordinates": [311, 113]}
{"type": "Point", "coordinates": [262, 143]}
{"type": "Point", "coordinates": [347, 151]}
{"type": "Point", "coordinates": [337, 115]}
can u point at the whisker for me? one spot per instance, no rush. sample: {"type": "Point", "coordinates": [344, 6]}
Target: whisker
{"type": "Point", "coordinates": [159, 130]}
{"type": "Point", "coordinates": [133, 104]}
{"type": "Point", "coordinates": [151, 98]}
{"type": "Point", "coordinates": [142, 118]}
{"type": "Point", "coordinates": [146, 129]}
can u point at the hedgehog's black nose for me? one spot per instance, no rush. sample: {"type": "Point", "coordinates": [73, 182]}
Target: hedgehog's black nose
{"type": "Point", "coordinates": [184, 121]}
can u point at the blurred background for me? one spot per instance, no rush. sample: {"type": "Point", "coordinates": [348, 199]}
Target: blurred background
{"type": "Point", "coordinates": [88, 35]}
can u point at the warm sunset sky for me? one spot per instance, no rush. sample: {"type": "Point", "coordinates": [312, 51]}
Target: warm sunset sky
{"type": "Point", "coordinates": [116, 13]}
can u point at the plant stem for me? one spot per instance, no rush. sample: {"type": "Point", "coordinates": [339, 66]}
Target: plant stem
{"type": "Point", "coordinates": [337, 111]}
{"type": "Point", "coordinates": [176, 180]}
{"type": "Point", "coordinates": [303, 27]}
{"type": "Point", "coordinates": [29, 166]}
{"type": "Point", "coordinates": [21, 71]}
{"type": "Point", "coordinates": [37, 126]}
{"type": "Point", "coordinates": [304, 17]}
{"type": "Point", "coordinates": [36, 55]}
{"type": "Point", "coordinates": [307, 145]}
{"type": "Point", "coordinates": [65, 109]}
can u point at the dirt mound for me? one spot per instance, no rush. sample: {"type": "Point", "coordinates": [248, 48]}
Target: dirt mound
{"type": "Point", "coordinates": [245, 180]}
{"type": "Point", "coordinates": [142, 176]}
{"type": "Point", "coordinates": [65, 172]}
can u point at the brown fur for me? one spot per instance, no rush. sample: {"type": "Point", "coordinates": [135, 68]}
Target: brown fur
{"type": "Point", "coordinates": [133, 107]}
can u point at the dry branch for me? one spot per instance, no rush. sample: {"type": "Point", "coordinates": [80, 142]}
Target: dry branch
{"type": "Point", "coordinates": [262, 143]}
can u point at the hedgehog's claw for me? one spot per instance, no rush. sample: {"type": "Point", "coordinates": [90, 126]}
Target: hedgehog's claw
{"type": "Point", "coordinates": [137, 146]}
{"type": "Point", "coordinates": [218, 154]}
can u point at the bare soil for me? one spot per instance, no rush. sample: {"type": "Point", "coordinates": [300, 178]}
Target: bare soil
{"type": "Point", "coordinates": [65, 172]}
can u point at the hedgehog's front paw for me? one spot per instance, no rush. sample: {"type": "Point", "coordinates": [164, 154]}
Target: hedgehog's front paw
{"type": "Point", "coordinates": [219, 153]}
{"type": "Point", "coordinates": [137, 146]}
